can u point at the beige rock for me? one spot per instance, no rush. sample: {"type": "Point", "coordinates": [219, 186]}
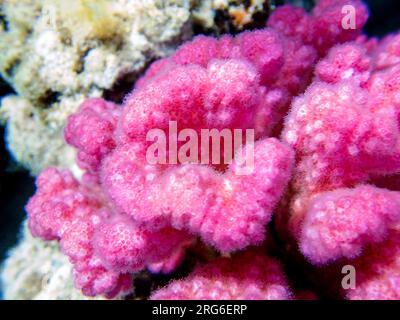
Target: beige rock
{"type": "Point", "coordinates": [37, 270]}
{"type": "Point", "coordinates": [238, 13]}
{"type": "Point", "coordinates": [55, 53]}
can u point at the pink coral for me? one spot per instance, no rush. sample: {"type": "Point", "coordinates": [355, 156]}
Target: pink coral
{"type": "Point", "coordinates": [378, 276]}
{"type": "Point", "coordinates": [128, 213]}
{"type": "Point", "coordinates": [58, 199]}
{"type": "Point", "coordinates": [344, 128]}
{"type": "Point", "coordinates": [124, 247]}
{"type": "Point", "coordinates": [283, 66]}
{"type": "Point", "coordinates": [341, 138]}
{"type": "Point", "coordinates": [388, 52]}
{"type": "Point", "coordinates": [344, 62]}
{"type": "Point", "coordinates": [227, 94]}
{"type": "Point", "coordinates": [104, 246]}
{"type": "Point", "coordinates": [340, 223]}
{"type": "Point", "coordinates": [323, 28]}
{"type": "Point", "coordinates": [203, 85]}
{"type": "Point", "coordinates": [338, 149]}
{"type": "Point", "coordinates": [91, 131]}
{"type": "Point", "coordinates": [228, 211]}
{"type": "Point", "coordinates": [64, 210]}
{"type": "Point", "coordinates": [249, 275]}
{"type": "Point", "coordinates": [345, 132]}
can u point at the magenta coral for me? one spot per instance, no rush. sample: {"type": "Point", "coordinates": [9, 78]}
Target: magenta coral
{"type": "Point", "coordinates": [323, 27]}
{"type": "Point", "coordinates": [281, 65]}
{"type": "Point", "coordinates": [91, 131]}
{"type": "Point", "coordinates": [247, 276]}
{"type": "Point", "coordinates": [345, 133]}
{"type": "Point", "coordinates": [378, 272]}
{"type": "Point", "coordinates": [126, 213]}
{"type": "Point", "coordinates": [324, 105]}
{"type": "Point", "coordinates": [344, 128]}
{"type": "Point", "coordinates": [340, 223]}
{"type": "Point", "coordinates": [228, 211]}
{"type": "Point", "coordinates": [105, 247]}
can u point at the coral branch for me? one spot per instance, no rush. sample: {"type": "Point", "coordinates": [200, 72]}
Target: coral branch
{"type": "Point", "coordinates": [248, 276]}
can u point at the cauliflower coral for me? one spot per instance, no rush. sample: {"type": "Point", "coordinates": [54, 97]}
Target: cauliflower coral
{"type": "Point", "coordinates": [247, 276]}
{"type": "Point", "coordinates": [344, 200]}
{"type": "Point", "coordinates": [323, 102]}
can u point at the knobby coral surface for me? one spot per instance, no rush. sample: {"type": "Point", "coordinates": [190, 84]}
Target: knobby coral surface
{"type": "Point", "coordinates": [323, 101]}
{"type": "Point", "coordinates": [247, 276]}
{"type": "Point", "coordinates": [344, 199]}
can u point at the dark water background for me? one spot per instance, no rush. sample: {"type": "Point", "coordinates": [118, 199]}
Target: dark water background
{"type": "Point", "coordinates": [16, 185]}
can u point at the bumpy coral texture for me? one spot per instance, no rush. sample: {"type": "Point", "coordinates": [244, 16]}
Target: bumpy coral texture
{"type": "Point", "coordinates": [105, 247]}
{"type": "Point", "coordinates": [248, 276]}
{"type": "Point", "coordinates": [338, 223]}
{"type": "Point", "coordinates": [344, 200]}
{"type": "Point", "coordinates": [323, 27]}
{"type": "Point", "coordinates": [339, 149]}
{"type": "Point", "coordinates": [229, 83]}
{"type": "Point", "coordinates": [378, 276]}
{"type": "Point", "coordinates": [91, 131]}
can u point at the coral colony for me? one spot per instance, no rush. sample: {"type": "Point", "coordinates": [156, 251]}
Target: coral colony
{"type": "Point", "coordinates": [323, 101]}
